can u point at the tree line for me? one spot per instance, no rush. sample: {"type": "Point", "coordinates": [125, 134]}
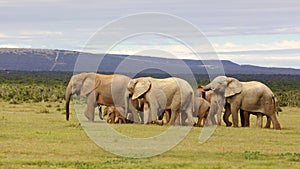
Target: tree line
{"type": "Point", "coordinates": [23, 86]}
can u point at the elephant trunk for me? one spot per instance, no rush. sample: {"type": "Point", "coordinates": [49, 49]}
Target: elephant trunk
{"type": "Point", "coordinates": [68, 97]}
{"type": "Point", "coordinates": [126, 101]}
{"type": "Point", "coordinates": [207, 87]}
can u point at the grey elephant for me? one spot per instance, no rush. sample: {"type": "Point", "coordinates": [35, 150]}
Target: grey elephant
{"type": "Point", "coordinates": [162, 94]}
{"type": "Point", "coordinates": [249, 96]}
{"type": "Point", "coordinates": [244, 115]}
{"type": "Point", "coordinates": [100, 89]}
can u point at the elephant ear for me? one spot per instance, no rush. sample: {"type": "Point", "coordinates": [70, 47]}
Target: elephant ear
{"type": "Point", "coordinates": [131, 85]}
{"type": "Point", "coordinates": [233, 87]}
{"type": "Point", "coordinates": [141, 87]}
{"type": "Point", "coordinates": [89, 84]}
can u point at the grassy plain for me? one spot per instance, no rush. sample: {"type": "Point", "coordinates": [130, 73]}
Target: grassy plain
{"type": "Point", "coordinates": [36, 135]}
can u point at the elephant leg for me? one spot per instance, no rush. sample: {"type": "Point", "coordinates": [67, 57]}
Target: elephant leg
{"type": "Point", "coordinates": [245, 118]}
{"type": "Point", "coordinates": [234, 113]}
{"type": "Point", "coordinates": [213, 119]}
{"type": "Point", "coordinates": [174, 116]}
{"type": "Point", "coordinates": [203, 121]}
{"type": "Point", "coordinates": [226, 115]}
{"type": "Point", "coordinates": [168, 114]}
{"type": "Point", "coordinates": [275, 122]}
{"type": "Point", "coordinates": [268, 124]}
{"type": "Point", "coordinates": [108, 118]}
{"type": "Point", "coordinates": [200, 119]}
{"type": "Point", "coordinates": [136, 118]}
{"type": "Point", "coordinates": [219, 115]}
{"type": "Point", "coordinates": [183, 117]}
{"type": "Point", "coordinates": [123, 120]}
{"type": "Point", "coordinates": [100, 112]}
{"type": "Point", "coordinates": [146, 113]}
{"type": "Point", "coordinates": [141, 114]}
{"type": "Point", "coordinates": [179, 118]}
{"type": "Point", "coordinates": [161, 116]}
{"type": "Point", "coordinates": [198, 124]}
{"type": "Point", "coordinates": [203, 118]}
{"type": "Point", "coordinates": [90, 109]}
{"type": "Point", "coordinates": [119, 116]}
{"type": "Point", "coordinates": [129, 118]}
{"type": "Point", "coordinates": [242, 117]}
{"type": "Point", "coordinates": [259, 120]}
{"type": "Point", "coordinates": [189, 114]}
{"type": "Point", "coordinates": [113, 117]}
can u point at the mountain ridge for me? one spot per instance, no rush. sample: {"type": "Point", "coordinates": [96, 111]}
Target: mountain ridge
{"type": "Point", "coordinates": [65, 60]}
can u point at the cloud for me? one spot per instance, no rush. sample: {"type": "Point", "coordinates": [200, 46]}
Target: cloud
{"type": "Point", "coordinates": [285, 53]}
{"type": "Point", "coordinates": [266, 60]}
{"type": "Point", "coordinates": [14, 46]}
{"type": "Point", "coordinates": [2, 35]}
{"type": "Point", "coordinates": [234, 47]}
{"type": "Point", "coordinates": [40, 33]}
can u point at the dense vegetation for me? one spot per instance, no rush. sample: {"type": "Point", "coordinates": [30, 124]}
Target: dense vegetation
{"type": "Point", "coordinates": [22, 86]}
{"type": "Point", "coordinates": [17, 87]}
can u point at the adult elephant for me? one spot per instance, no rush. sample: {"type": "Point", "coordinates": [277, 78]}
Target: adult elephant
{"type": "Point", "coordinates": [249, 96]}
{"type": "Point", "coordinates": [244, 115]}
{"type": "Point", "coordinates": [160, 94]}
{"type": "Point", "coordinates": [100, 89]}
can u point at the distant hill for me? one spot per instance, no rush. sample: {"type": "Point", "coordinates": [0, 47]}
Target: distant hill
{"type": "Point", "coordinates": [63, 60]}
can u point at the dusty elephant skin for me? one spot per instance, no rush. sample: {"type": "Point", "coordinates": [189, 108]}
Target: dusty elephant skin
{"type": "Point", "coordinates": [249, 96]}
{"type": "Point", "coordinates": [162, 94]}
{"type": "Point", "coordinates": [99, 89]}
{"type": "Point", "coordinates": [114, 113]}
{"type": "Point", "coordinates": [201, 110]}
{"type": "Point", "coordinates": [244, 115]}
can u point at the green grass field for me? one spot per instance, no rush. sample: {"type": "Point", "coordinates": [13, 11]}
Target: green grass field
{"type": "Point", "coordinates": [36, 135]}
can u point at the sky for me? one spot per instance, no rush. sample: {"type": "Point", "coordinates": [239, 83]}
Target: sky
{"type": "Point", "coordinates": [263, 33]}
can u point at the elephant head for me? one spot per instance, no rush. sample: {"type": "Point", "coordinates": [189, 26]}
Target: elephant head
{"type": "Point", "coordinates": [82, 84]}
{"type": "Point", "coordinates": [225, 85]}
{"type": "Point", "coordinates": [138, 87]}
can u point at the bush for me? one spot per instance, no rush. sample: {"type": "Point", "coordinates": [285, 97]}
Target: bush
{"type": "Point", "coordinates": [249, 155]}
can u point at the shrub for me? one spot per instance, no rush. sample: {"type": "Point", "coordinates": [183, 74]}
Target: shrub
{"type": "Point", "coordinates": [249, 155]}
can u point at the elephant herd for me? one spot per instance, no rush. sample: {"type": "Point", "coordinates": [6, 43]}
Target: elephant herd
{"type": "Point", "coordinates": [148, 100]}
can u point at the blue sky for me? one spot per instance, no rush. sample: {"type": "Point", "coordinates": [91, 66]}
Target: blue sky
{"type": "Point", "coordinates": [264, 33]}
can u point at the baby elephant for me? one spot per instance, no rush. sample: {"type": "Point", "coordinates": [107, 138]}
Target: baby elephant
{"type": "Point", "coordinates": [112, 113]}
{"type": "Point", "coordinates": [202, 107]}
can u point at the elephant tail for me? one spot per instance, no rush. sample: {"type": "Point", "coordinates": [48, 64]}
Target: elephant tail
{"type": "Point", "coordinates": [274, 101]}
{"type": "Point", "coordinates": [67, 98]}
{"type": "Point", "coordinates": [193, 103]}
